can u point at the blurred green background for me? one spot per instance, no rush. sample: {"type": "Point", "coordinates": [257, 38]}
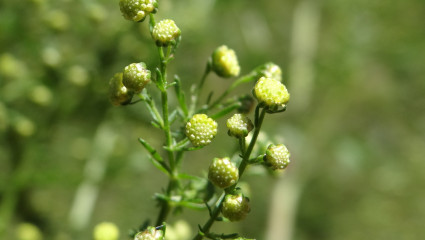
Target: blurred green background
{"type": "Point", "coordinates": [355, 123]}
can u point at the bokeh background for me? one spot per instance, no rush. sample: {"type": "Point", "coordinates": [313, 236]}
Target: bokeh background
{"type": "Point", "coordinates": [355, 123]}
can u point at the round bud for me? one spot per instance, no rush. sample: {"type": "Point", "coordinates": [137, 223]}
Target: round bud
{"type": "Point", "coordinates": [165, 32]}
{"type": "Point", "coordinates": [223, 173]}
{"type": "Point", "coordinates": [136, 77]}
{"type": "Point", "coordinates": [239, 125]}
{"type": "Point", "coordinates": [201, 130]}
{"type": "Point", "coordinates": [137, 10]}
{"type": "Point", "coordinates": [235, 207]}
{"type": "Point", "coordinates": [277, 156]}
{"type": "Point", "coordinates": [118, 93]}
{"type": "Point", "coordinates": [272, 70]}
{"type": "Point", "coordinates": [106, 231]}
{"type": "Point", "coordinates": [151, 233]}
{"type": "Point", "coordinates": [225, 63]}
{"type": "Point", "coordinates": [271, 92]}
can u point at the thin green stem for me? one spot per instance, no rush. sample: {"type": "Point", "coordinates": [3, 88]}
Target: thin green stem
{"type": "Point", "coordinates": [213, 217]}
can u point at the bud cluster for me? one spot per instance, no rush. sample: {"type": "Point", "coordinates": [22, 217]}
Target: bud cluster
{"type": "Point", "coordinates": [225, 63]}
{"type": "Point", "coordinates": [137, 10]}
{"type": "Point", "coordinates": [271, 92]}
{"type": "Point", "coordinates": [201, 130]}
{"type": "Point", "coordinates": [223, 173]}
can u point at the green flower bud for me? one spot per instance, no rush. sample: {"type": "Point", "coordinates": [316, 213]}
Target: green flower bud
{"type": "Point", "coordinates": [118, 93]}
{"type": "Point", "coordinates": [106, 231]}
{"type": "Point", "coordinates": [239, 125]}
{"type": "Point", "coordinates": [201, 130]}
{"type": "Point", "coordinates": [223, 173]}
{"type": "Point", "coordinates": [277, 156]}
{"type": "Point", "coordinates": [137, 10]}
{"type": "Point", "coordinates": [272, 70]}
{"type": "Point", "coordinates": [271, 92]}
{"type": "Point", "coordinates": [235, 207]}
{"type": "Point", "coordinates": [225, 63]}
{"type": "Point", "coordinates": [151, 233]}
{"type": "Point", "coordinates": [136, 77]}
{"type": "Point", "coordinates": [165, 32]}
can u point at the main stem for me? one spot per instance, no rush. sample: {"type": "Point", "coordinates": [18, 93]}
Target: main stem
{"type": "Point", "coordinates": [246, 155]}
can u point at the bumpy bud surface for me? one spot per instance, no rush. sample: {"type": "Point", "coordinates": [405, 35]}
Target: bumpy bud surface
{"type": "Point", "coordinates": [137, 10]}
{"type": "Point", "coordinates": [136, 77]}
{"type": "Point", "coordinates": [223, 173]}
{"type": "Point", "coordinates": [225, 63]}
{"type": "Point", "coordinates": [150, 234]}
{"type": "Point", "coordinates": [239, 125]}
{"type": "Point", "coordinates": [118, 93]}
{"type": "Point", "coordinates": [271, 92]}
{"type": "Point", "coordinates": [235, 207]}
{"type": "Point", "coordinates": [272, 70]}
{"type": "Point", "coordinates": [201, 130]}
{"type": "Point", "coordinates": [165, 32]}
{"type": "Point", "coordinates": [106, 231]}
{"type": "Point", "coordinates": [277, 156]}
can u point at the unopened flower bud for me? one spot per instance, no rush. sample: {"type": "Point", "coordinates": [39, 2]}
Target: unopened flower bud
{"type": "Point", "coordinates": [272, 70]}
{"type": "Point", "coordinates": [165, 32]}
{"type": "Point", "coordinates": [235, 207]}
{"type": "Point", "coordinates": [271, 92]}
{"type": "Point", "coordinates": [106, 231]}
{"type": "Point", "coordinates": [151, 233]}
{"type": "Point", "coordinates": [136, 77]}
{"type": "Point", "coordinates": [201, 130]}
{"type": "Point", "coordinates": [277, 156]}
{"type": "Point", "coordinates": [223, 173]}
{"type": "Point", "coordinates": [118, 93]}
{"type": "Point", "coordinates": [137, 10]}
{"type": "Point", "coordinates": [225, 63]}
{"type": "Point", "coordinates": [239, 125]}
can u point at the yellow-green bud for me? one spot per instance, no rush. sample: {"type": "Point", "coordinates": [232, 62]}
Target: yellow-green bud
{"type": "Point", "coordinates": [235, 207]}
{"type": "Point", "coordinates": [106, 231]}
{"type": "Point", "coordinates": [239, 125]}
{"type": "Point", "coordinates": [225, 63]}
{"type": "Point", "coordinates": [118, 93]}
{"type": "Point", "coordinates": [272, 70]}
{"type": "Point", "coordinates": [165, 32]}
{"type": "Point", "coordinates": [28, 231]}
{"type": "Point", "coordinates": [277, 156]}
{"type": "Point", "coordinates": [151, 233]}
{"type": "Point", "coordinates": [201, 130]}
{"type": "Point", "coordinates": [136, 77]}
{"type": "Point", "coordinates": [137, 10]}
{"type": "Point", "coordinates": [271, 92]}
{"type": "Point", "coordinates": [223, 173]}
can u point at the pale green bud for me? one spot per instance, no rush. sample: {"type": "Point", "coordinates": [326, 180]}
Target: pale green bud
{"type": "Point", "coordinates": [165, 32]}
{"type": "Point", "coordinates": [201, 130]}
{"type": "Point", "coordinates": [28, 231]}
{"type": "Point", "coordinates": [137, 10]}
{"type": "Point", "coordinates": [136, 77]}
{"type": "Point", "coordinates": [118, 93]}
{"type": "Point", "coordinates": [239, 125]}
{"type": "Point", "coordinates": [271, 92]}
{"type": "Point", "coordinates": [106, 231]}
{"type": "Point", "coordinates": [150, 234]}
{"type": "Point", "coordinates": [235, 207]}
{"type": "Point", "coordinates": [225, 63]}
{"type": "Point", "coordinates": [223, 173]}
{"type": "Point", "coordinates": [272, 70]}
{"type": "Point", "coordinates": [277, 156]}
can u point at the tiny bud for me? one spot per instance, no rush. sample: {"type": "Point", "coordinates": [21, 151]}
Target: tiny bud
{"type": "Point", "coordinates": [277, 156]}
{"type": "Point", "coordinates": [136, 77]}
{"type": "Point", "coordinates": [235, 207]}
{"type": "Point", "coordinates": [118, 93]}
{"type": "Point", "coordinates": [225, 63]}
{"type": "Point", "coordinates": [201, 130]}
{"type": "Point", "coordinates": [239, 125]}
{"type": "Point", "coordinates": [151, 233]}
{"type": "Point", "coordinates": [137, 10]}
{"type": "Point", "coordinates": [271, 92]}
{"type": "Point", "coordinates": [165, 32]}
{"type": "Point", "coordinates": [223, 173]}
{"type": "Point", "coordinates": [272, 70]}
{"type": "Point", "coordinates": [106, 231]}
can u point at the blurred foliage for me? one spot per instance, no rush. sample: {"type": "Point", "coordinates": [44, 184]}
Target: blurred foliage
{"type": "Point", "coordinates": [358, 144]}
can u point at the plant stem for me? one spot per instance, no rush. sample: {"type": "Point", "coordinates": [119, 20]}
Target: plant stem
{"type": "Point", "coordinates": [259, 117]}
